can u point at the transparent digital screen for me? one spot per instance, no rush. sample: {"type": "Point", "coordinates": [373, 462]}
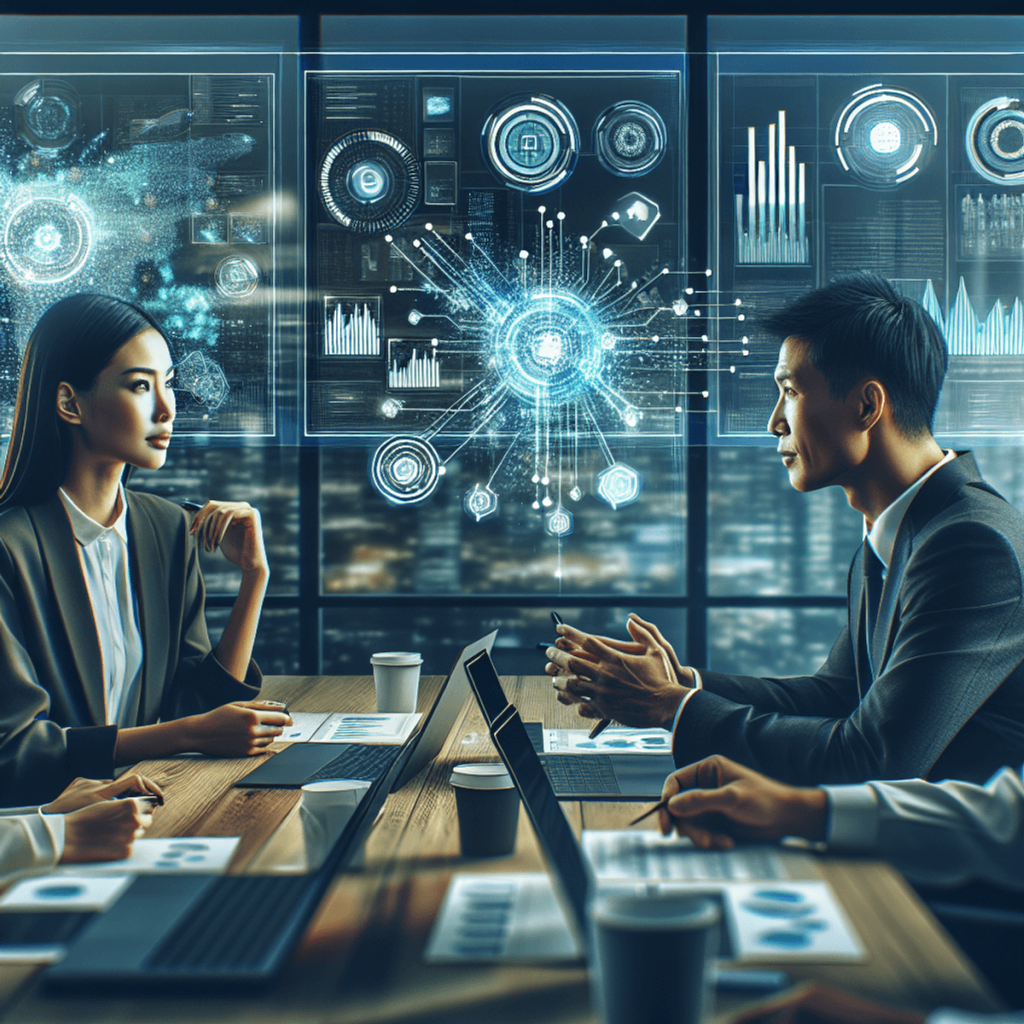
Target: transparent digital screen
{"type": "Point", "coordinates": [910, 165]}
{"type": "Point", "coordinates": [156, 188]}
{"type": "Point", "coordinates": [497, 282]}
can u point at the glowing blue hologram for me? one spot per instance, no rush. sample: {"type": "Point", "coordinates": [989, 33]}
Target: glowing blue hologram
{"type": "Point", "coordinates": [637, 214]}
{"type": "Point", "coordinates": [369, 181]}
{"type": "Point", "coordinates": [549, 347]}
{"type": "Point", "coordinates": [558, 522]}
{"type": "Point", "coordinates": [630, 139]}
{"type": "Point", "coordinates": [46, 239]}
{"type": "Point", "coordinates": [531, 143]}
{"type": "Point", "coordinates": [47, 113]}
{"type": "Point", "coordinates": [680, 306]}
{"type": "Point", "coordinates": [884, 137]}
{"type": "Point", "coordinates": [995, 140]}
{"type": "Point", "coordinates": [391, 407]}
{"type": "Point", "coordinates": [237, 277]}
{"type": "Point", "coordinates": [618, 485]}
{"type": "Point", "coordinates": [438, 106]}
{"type": "Point", "coordinates": [480, 502]}
{"type": "Point", "coordinates": [576, 494]}
{"type": "Point", "coordinates": [406, 469]}
{"type": "Point", "coordinates": [203, 379]}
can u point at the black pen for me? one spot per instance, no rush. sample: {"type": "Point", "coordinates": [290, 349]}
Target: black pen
{"type": "Point", "coordinates": [648, 813]}
{"type": "Point", "coordinates": [600, 727]}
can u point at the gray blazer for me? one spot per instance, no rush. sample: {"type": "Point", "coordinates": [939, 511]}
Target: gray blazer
{"type": "Point", "coordinates": [942, 695]}
{"type": "Point", "coordinates": [52, 716]}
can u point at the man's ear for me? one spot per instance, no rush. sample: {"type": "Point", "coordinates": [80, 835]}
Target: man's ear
{"type": "Point", "coordinates": [872, 402]}
{"type": "Point", "coordinates": [67, 404]}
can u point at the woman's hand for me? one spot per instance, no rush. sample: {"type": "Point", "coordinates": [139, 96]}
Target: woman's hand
{"type": "Point", "coordinates": [105, 831]}
{"type": "Point", "coordinates": [235, 527]}
{"type": "Point", "coordinates": [239, 729]}
{"type": "Point", "coordinates": [83, 792]}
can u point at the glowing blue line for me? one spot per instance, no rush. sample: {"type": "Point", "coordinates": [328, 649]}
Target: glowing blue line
{"type": "Point", "coordinates": [459, 406]}
{"type": "Point", "coordinates": [483, 423]}
{"type": "Point", "coordinates": [605, 450]}
{"type": "Point", "coordinates": [501, 461]}
{"type": "Point", "coordinates": [487, 257]}
{"type": "Point", "coordinates": [424, 275]}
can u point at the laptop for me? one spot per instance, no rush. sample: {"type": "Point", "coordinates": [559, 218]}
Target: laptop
{"type": "Point", "coordinates": [584, 776]}
{"type": "Point", "coordinates": [300, 763]}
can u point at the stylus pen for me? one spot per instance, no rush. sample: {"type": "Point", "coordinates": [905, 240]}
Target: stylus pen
{"type": "Point", "coordinates": [648, 813]}
{"type": "Point", "coordinates": [600, 727]}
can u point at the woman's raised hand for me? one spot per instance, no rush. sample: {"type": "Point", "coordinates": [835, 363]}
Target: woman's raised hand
{"type": "Point", "coordinates": [236, 528]}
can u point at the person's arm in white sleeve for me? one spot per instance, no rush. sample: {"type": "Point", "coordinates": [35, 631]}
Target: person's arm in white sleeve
{"type": "Point", "coordinates": [30, 841]}
{"type": "Point", "coordinates": [942, 833]}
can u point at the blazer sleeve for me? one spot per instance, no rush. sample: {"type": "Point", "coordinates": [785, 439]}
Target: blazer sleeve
{"type": "Point", "coordinates": [200, 683]}
{"type": "Point", "coordinates": [38, 758]}
{"type": "Point", "coordinates": [960, 633]}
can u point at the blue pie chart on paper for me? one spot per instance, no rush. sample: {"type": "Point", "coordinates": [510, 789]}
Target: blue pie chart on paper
{"type": "Point", "coordinates": [785, 939]}
{"type": "Point", "coordinates": [59, 892]}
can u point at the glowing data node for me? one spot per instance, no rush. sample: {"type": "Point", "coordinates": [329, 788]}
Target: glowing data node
{"type": "Point", "coordinates": [47, 113]}
{"type": "Point", "coordinates": [618, 485]}
{"type": "Point", "coordinates": [405, 469]}
{"type": "Point", "coordinates": [558, 522]}
{"type": "Point", "coordinates": [637, 214]}
{"type": "Point", "coordinates": [884, 137]}
{"type": "Point", "coordinates": [575, 494]}
{"type": "Point", "coordinates": [46, 239]}
{"type": "Point", "coordinates": [480, 502]}
{"type": "Point", "coordinates": [630, 139]}
{"type": "Point", "coordinates": [531, 142]}
{"type": "Point", "coordinates": [237, 277]}
{"type": "Point", "coordinates": [203, 379]}
{"type": "Point", "coordinates": [391, 407]}
{"type": "Point", "coordinates": [369, 181]}
{"type": "Point", "coordinates": [548, 347]}
{"type": "Point", "coordinates": [995, 140]}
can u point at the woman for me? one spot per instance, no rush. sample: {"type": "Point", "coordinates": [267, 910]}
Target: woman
{"type": "Point", "coordinates": [104, 653]}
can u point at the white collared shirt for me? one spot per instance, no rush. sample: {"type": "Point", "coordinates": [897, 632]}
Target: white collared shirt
{"type": "Point", "coordinates": [103, 553]}
{"type": "Point", "coordinates": [882, 536]}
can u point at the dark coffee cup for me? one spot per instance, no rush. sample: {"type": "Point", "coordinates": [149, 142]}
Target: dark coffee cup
{"type": "Point", "coordinates": [488, 806]}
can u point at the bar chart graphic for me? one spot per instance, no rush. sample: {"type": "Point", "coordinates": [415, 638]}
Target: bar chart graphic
{"type": "Point", "coordinates": [999, 333]}
{"type": "Point", "coordinates": [771, 218]}
{"type": "Point", "coordinates": [351, 327]}
{"type": "Point", "coordinates": [413, 366]}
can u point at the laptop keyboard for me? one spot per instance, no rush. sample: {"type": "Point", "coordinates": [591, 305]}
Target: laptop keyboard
{"type": "Point", "coordinates": [590, 774]}
{"type": "Point", "coordinates": [219, 932]}
{"type": "Point", "coordinates": [358, 762]}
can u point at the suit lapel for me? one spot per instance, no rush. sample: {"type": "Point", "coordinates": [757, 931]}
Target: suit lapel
{"type": "Point", "coordinates": [150, 587]}
{"type": "Point", "coordinates": [60, 555]}
{"type": "Point", "coordinates": [858, 620]}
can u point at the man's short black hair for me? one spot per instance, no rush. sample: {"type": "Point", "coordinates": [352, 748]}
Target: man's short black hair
{"type": "Point", "coordinates": [859, 326]}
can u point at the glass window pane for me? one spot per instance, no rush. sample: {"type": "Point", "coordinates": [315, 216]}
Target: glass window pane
{"type": "Point", "coordinates": [772, 641]}
{"type": "Point", "coordinates": [277, 641]}
{"type": "Point", "coordinates": [439, 633]}
{"type": "Point", "coordinates": [764, 538]}
{"type": "Point", "coordinates": [266, 477]}
{"type": "Point", "coordinates": [372, 547]}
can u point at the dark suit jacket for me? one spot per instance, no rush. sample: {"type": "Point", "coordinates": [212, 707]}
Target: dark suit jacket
{"type": "Point", "coordinates": [52, 716]}
{"type": "Point", "coordinates": [945, 696]}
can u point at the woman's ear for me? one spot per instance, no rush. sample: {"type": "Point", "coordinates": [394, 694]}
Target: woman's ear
{"type": "Point", "coordinates": [67, 404]}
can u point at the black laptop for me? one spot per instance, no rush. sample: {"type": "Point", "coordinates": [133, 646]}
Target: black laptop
{"type": "Point", "coordinates": [577, 776]}
{"type": "Point", "coordinates": [300, 763]}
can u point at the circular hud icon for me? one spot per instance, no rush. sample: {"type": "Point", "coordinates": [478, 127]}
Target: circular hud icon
{"type": "Point", "coordinates": [47, 113]}
{"type": "Point", "coordinates": [630, 139]}
{"type": "Point", "coordinates": [46, 239]}
{"type": "Point", "coordinates": [406, 469]}
{"type": "Point", "coordinates": [884, 137]}
{"type": "Point", "coordinates": [531, 143]}
{"type": "Point", "coordinates": [995, 141]}
{"type": "Point", "coordinates": [370, 182]}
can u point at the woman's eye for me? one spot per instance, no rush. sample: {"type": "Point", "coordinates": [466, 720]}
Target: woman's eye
{"type": "Point", "coordinates": [139, 385]}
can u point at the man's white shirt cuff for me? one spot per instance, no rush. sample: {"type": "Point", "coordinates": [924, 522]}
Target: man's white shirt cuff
{"type": "Point", "coordinates": [698, 684]}
{"type": "Point", "coordinates": [853, 817]}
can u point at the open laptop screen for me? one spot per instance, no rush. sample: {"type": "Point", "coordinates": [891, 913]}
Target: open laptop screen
{"type": "Point", "coordinates": [557, 839]}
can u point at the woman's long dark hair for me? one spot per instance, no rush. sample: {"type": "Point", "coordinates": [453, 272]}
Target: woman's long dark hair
{"type": "Point", "coordinates": [73, 341]}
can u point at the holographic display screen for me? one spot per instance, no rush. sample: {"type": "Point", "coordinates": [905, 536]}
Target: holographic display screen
{"type": "Point", "coordinates": [157, 189]}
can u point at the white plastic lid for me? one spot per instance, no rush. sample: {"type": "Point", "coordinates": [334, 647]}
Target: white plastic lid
{"type": "Point", "coordinates": [396, 658]}
{"type": "Point", "coordinates": [481, 776]}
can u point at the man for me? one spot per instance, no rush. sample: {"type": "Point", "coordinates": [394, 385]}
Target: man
{"type": "Point", "coordinates": [927, 678]}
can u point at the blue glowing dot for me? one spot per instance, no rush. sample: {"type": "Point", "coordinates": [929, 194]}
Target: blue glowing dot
{"type": "Point", "coordinates": [438, 106]}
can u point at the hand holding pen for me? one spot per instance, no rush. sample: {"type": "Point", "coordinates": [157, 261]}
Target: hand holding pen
{"type": "Point", "coordinates": [604, 722]}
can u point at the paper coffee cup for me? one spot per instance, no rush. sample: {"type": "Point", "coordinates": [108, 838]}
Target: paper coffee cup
{"type": "Point", "coordinates": [325, 811]}
{"type": "Point", "coordinates": [488, 807]}
{"type": "Point", "coordinates": [396, 678]}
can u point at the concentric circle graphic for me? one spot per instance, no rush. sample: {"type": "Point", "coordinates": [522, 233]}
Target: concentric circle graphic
{"type": "Point", "coordinates": [531, 142]}
{"type": "Point", "coordinates": [406, 469]}
{"type": "Point", "coordinates": [237, 277]}
{"type": "Point", "coordinates": [884, 137]}
{"type": "Point", "coordinates": [630, 139]}
{"type": "Point", "coordinates": [370, 181]}
{"type": "Point", "coordinates": [48, 113]}
{"type": "Point", "coordinates": [548, 348]}
{"type": "Point", "coordinates": [995, 141]}
{"type": "Point", "coordinates": [46, 240]}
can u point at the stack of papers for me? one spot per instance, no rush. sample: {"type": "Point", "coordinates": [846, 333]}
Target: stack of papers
{"type": "Point", "coordinates": [616, 739]}
{"type": "Point", "coordinates": [342, 727]}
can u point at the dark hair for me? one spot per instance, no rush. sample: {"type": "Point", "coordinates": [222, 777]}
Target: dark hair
{"type": "Point", "coordinates": [859, 326]}
{"type": "Point", "coordinates": [73, 341]}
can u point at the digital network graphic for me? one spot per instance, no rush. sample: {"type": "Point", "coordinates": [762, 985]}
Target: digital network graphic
{"type": "Point", "coordinates": [83, 211]}
{"type": "Point", "coordinates": [579, 357]}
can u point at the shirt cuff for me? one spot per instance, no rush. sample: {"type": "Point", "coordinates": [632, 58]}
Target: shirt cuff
{"type": "Point", "coordinates": [852, 818]}
{"type": "Point", "coordinates": [54, 824]}
{"type": "Point", "coordinates": [698, 684]}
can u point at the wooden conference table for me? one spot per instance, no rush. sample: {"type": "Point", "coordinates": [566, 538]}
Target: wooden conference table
{"type": "Point", "coordinates": [360, 961]}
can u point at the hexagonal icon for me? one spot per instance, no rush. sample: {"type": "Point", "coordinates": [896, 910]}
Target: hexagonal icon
{"type": "Point", "coordinates": [637, 214]}
{"type": "Point", "coordinates": [480, 502]}
{"type": "Point", "coordinates": [558, 522]}
{"type": "Point", "coordinates": [618, 485]}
